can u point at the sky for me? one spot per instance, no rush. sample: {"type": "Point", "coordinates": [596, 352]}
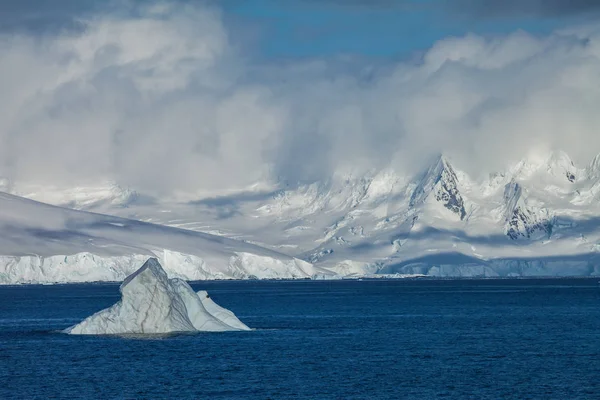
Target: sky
{"type": "Point", "coordinates": [190, 95]}
{"type": "Point", "coordinates": [314, 28]}
{"type": "Point", "coordinates": [321, 28]}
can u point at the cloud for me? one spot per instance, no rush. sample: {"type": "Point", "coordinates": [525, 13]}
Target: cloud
{"type": "Point", "coordinates": [480, 8]}
{"type": "Point", "coordinates": [364, 3]}
{"type": "Point", "coordinates": [162, 101]}
{"type": "Point", "coordinates": [510, 8]}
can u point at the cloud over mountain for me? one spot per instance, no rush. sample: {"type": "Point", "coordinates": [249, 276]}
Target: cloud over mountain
{"type": "Point", "coordinates": [161, 99]}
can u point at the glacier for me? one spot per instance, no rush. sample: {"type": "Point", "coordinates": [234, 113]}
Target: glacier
{"type": "Point", "coordinates": [45, 244]}
{"type": "Point", "coordinates": [151, 303]}
{"type": "Point", "coordinates": [538, 217]}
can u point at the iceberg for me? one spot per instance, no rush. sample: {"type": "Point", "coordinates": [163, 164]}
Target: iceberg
{"type": "Point", "coordinates": [151, 303]}
{"type": "Point", "coordinates": [222, 314]}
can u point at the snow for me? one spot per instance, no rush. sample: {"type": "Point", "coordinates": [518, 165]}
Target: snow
{"type": "Point", "coordinates": [151, 303]}
{"type": "Point", "coordinates": [561, 166]}
{"type": "Point", "coordinates": [88, 197]}
{"type": "Point", "coordinates": [220, 313]}
{"type": "Point", "coordinates": [48, 244]}
{"type": "Point", "coordinates": [593, 170]}
{"type": "Point", "coordinates": [387, 223]}
{"type": "Point", "coordinates": [256, 266]}
{"type": "Point", "coordinates": [81, 267]}
{"type": "Point", "coordinates": [527, 219]}
{"type": "Point", "coordinates": [441, 181]}
{"type": "Point", "coordinates": [201, 318]}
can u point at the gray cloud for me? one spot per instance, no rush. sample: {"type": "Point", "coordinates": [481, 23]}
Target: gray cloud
{"type": "Point", "coordinates": [507, 8]}
{"type": "Point", "coordinates": [364, 3]}
{"type": "Point", "coordinates": [481, 8]}
{"type": "Point", "coordinates": [163, 102]}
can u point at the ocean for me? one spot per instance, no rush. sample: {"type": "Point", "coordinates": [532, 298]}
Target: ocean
{"type": "Point", "coordinates": [369, 339]}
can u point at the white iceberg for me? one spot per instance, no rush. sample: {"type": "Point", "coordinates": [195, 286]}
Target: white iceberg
{"type": "Point", "coordinates": [222, 314]}
{"type": "Point", "coordinates": [151, 303]}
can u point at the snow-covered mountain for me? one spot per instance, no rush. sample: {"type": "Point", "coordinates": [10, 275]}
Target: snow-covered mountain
{"type": "Point", "coordinates": [521, 220]}
{"type": "Point", "coordinates": [41, 243]}
{"type": "Point", "coordinates": [441, 182]}
{"type": "Point", "coordinates": [538, 217]}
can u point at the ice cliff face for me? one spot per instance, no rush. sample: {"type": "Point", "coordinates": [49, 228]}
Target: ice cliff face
{"type": "Point", "coordinates": [151, 303]}
{"type": "Point", "coordinates": [89, 267]}
{"type": "Point", "coordinates": [40, 243]}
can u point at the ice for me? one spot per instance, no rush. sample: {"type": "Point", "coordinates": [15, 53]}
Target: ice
{"type": "Point", "coordinates": [524, 219]}
{"type": "Point", "coordinates": [151, 303]}
{"type": "Point", "coordinates": [49, 244]}
{"type": "Point", "coordinates": [220, 313]}
{"type": "Point", "coordinates": [201, 318]}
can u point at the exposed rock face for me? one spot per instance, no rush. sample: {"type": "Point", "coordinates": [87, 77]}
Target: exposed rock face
{"type": "Point", "coordinates": [521, 220]}
{"type": "Point", "coordinates": [151, 303]}
{"type": "Point", "coordinates": [441, 181]}
{"type": "Point", "coordinates": [526, 218]}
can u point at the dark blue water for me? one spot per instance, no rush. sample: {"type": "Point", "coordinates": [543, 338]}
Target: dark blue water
{"type": "Point", "coordinates": [417, 339]}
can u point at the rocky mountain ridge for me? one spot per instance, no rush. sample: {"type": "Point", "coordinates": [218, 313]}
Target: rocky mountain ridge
{"type": "Point", "coordinates": [538, 217]}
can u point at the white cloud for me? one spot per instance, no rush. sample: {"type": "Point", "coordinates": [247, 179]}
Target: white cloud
{"type": "Point", "coordinates": [162, 101]}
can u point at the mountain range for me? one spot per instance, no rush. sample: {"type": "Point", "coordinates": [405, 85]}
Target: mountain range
{"type": "Point", "coordinates": [537, 218]}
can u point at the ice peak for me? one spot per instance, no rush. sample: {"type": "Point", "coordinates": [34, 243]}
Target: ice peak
{"type": "Point", "coordinates": [151, 303]}
{"type": "Point", "coordinates": [151, 269]}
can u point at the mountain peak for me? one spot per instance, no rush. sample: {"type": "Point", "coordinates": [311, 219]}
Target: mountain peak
{"type": "Point", "coordinates": [439, 163]}
{"type": "Point", "coordinates": [560, 157]}
{"type": "Point", "coordinates": [522, 221]}
{"type": "Point", "coordinates": [560, 165]}
{"type": "Point", "coordinates": [593, 170]}
{"type": "Point", "coordinates": [556, 163]}
{"type": "Point", "coordinates": [441, 180]}
{"type": "Point", "coordinates": [155, 272]}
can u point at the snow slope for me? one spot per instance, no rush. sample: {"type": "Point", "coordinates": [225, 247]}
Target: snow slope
{"type": "Point", "coordinates": [536, 218]}
{"type": "Point", "coordinates": [539, 217]}
{"type": "Point", "coordinates": [152, 303]}
{"type": "Point", "coordinates": [41, 243]}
